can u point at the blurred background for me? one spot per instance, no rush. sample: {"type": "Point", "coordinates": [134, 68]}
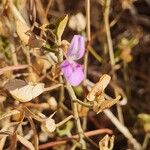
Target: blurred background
{"type": "Point", "coordinates": [130, 35]}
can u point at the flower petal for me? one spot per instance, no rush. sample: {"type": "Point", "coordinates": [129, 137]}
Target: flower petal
{"type": "Point", "coordinates": [77, 48]}
{"type": "Point", "coordinates": [73, 72]}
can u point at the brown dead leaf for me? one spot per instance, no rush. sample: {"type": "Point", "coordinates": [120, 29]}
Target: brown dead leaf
{"type": "Point", "coordinates": [35, 42]}
{"type": "Point", "coordinates": [14, 84]}
{"type": "Point", "coordinates": [22, 91]}
{"type": "Point", "coordinates": [99, 87]}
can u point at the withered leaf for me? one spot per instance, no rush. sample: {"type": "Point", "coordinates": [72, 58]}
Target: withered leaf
{"type": "Point", "coordinates": [22, 91]}
{"type": "Point", "coordinates": [99, 87]}
{"type": "Point", "coordinates": [35, 42]}
{"type": "Point", "coordinates": [14, 84]}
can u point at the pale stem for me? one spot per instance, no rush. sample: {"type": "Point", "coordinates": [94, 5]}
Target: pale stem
{"type": "Point", "coordinates": [123, 129]}
{"type": "Point", "coordinates": [76, 115]}
{"type": "Point", "coordinates": [111, 51]}
{"type": "Point", "coordinates": [88, 31]}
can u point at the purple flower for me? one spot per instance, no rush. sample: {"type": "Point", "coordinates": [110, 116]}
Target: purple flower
{"type": "Point", "coordinates": [72, 71]}
{"type": "Point", "coordinates": [77, 48]}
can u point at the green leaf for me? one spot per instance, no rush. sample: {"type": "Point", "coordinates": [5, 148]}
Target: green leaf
{"type": "Point", "coordinates": [79, 90]}
{"type": "Point", "coordinates": [66, 130]}
{"type": "Point", "coordinates": [61, 27]}
{"type": "Point", "coordinates": [144, 120]}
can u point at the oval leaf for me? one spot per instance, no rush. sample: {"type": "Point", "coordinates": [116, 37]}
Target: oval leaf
{"type": "Point", "coordinates": [22, 91]}
{"type": "Point", "coordinates": [61, 27]}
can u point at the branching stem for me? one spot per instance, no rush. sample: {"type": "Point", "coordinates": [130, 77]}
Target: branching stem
{"type": "Point", "coordinates": [76, 115]}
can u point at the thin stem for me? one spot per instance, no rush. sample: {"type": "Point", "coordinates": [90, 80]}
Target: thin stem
{"type": "Point", "coordinates": [111, 52]}
{"type": "Point", "coordinates": [15, 11]}
{"type": "Point", "coordinates": [52, 87]}
{"type": "Point", "coordinates": [14, 56]}
{"type": "Point", "coordinates": [83, 103]}
{"type": "Point", "coordinates": [61, 96]}
{"type": "Point", "coordinates": [95, 54]}
{"type": "Point", "coordinates": [64, 121]}
{"type": "Point", "coordinates": [146, 141]}
{"type": "Point", "coordinates": [64, 140]}
{"type": "Point", "coordinates": [76, 115]}
{"type": "Point", "coordinates": [48, 7]}
{"type": "Point", "coordinates": [107, 26]}
{"type": "Point", "coordinates": [88, 30]}
{"type": "Point", "coordinates": [123, 129]}
{"type": "Point", "coordinates": [41, 12]}
{"type": "Point", "coordinates": [91, 141]}
{"type": "Point", "coordinates": [34, 131]}
{"type": "Point", "coordinates": [76, 145]}
{"type": "Point", "coordinates": [11, 68]}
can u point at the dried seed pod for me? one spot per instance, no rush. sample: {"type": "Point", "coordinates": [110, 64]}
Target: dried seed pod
{"type": "Point", "coordinates": [99, 87]}
{"type": "Point", "coordinates": [106, 143]}
{"type": "Point", "coordinates": [107, 104]}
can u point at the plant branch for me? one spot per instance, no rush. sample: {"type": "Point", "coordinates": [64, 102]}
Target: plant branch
{"type": "Point", "coordinates": [123, 130]}
{"type": "Point", "coordinates": [52, 87]}
{"type": "Point", "coordinates": [88, 30]}
{"type": "Point", "coordinates": [64, 121]}
{"type": "Point", "coordinates": [83, 103]}
{"type": "Point", "coordinates": [36, 140]}
{"type": "Point", "coordinates": [111, 51]}
{"type": "Point", "coordinates": [107, 27]}
{"type": "Point", "coordinates": [65, 140]}
{"type": "Point", "coordinates": [76, 115]}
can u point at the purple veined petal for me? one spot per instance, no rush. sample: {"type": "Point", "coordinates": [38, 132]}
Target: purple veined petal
{"type": "Point", "coordinates": [73, 72]}
{"type": "Point", "coordinates": [77, 48]}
